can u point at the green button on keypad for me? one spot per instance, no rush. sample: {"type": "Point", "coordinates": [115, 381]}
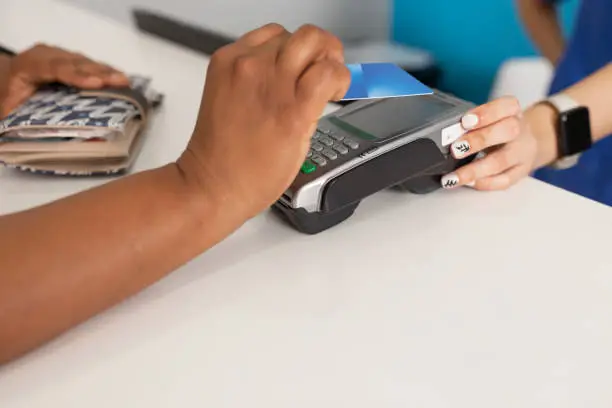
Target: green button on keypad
{"type": "Point", "coordinates": [308, 167]}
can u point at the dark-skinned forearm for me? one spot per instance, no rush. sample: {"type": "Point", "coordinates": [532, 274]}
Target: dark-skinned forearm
{"type": "Point", "coordinates": [66, 261]}
{"type": "Point", "coordinates": [5, 61]}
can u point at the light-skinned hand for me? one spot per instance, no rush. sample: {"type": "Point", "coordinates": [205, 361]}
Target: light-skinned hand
{"type": "Point", "coordinates": [505, 145]}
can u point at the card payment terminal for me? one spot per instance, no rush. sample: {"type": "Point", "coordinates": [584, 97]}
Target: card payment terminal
{"type": "Point", "coordinates": [368, 146]}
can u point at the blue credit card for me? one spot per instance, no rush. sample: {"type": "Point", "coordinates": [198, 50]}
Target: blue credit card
{"type": "Point", "coordinates": [382, 80]}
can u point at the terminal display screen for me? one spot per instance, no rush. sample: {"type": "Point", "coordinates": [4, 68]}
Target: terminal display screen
{"type": "Point", "coordinates": [393, 116]}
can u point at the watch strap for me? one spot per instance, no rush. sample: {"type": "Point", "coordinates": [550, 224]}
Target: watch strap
{"type": "Point", "coordinates": [563, 103]}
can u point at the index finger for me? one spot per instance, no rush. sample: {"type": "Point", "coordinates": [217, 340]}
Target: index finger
{"type": "Point", "coordinates": [106, 73]}
{"type": "Point", "coordinates": [490, 113]}
{"type": "Point", "coordinates": [246, 43]}
{"type": "Point", "coordinates": [38, 64]}
{"type": "Point", "coordinates": [261, 35]}
{"type": "Point", "coordinates": [307, 46]}
{"type": "Point", "coordinates": [325, 81]}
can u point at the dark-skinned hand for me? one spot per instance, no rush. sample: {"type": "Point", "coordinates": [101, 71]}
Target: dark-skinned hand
{"type": "Point", "coordinates": [22, 74]}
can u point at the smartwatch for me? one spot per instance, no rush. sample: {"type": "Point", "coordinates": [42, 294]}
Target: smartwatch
{"type": "Point", "coordinates": [573, 129]}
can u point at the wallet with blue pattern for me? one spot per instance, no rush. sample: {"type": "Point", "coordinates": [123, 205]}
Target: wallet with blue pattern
{"type": "Point", "coordinates": [63, 130]}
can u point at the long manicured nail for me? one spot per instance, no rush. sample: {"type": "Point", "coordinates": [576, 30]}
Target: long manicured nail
{"type": "Point", "coordinates": [451, 180]}
{"type": "Point", "coordinates": [460, 148]}
{"type": "Point", "coordinates": [469, 121]}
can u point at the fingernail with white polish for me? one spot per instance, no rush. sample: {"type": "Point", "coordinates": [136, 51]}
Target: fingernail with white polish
{"type": "Point", "coordinates": [470, 184]}
{"type": "Point", "coordinates": [469, 121]}
{"type": "Point", "coordinates": [460, 148]}
{"type": "Point", "coordinates": [450, 181]}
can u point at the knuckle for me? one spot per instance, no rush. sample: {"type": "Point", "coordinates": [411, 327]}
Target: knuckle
{"type": "Point", "coordinates": [513, 127]}
{"type": "Point", "coordinates": [483, 136]}
{"type": "Point", "coordinates": [478, 140]}
{"type": "Point", "coordinates": [221, 55]}
{"type": "Point", "coordinates": [485, 167]}
{"type": "Point", "coordinates": [335, 44]}
{"type": "Point", "coordinates": [246, 66]}
{"type": "Point", "coordinates": [273, 27]}
{"type": "Point", "coordinates": [503, 182]}
{"type": "Point", "coordinates": [511, 104]}
{"type": "Point", "coordinates": [56, 63]}
{"type": "Point", "coordinates": [466, 174]}
{"type": "Point", "coordinates": [502, 161]}
{"type": "Point", "coordinates": [310, 32]}
{"type": "Point", "coordinates": [106, 69]}
{"type": "Point", "coordinates": [40, 46]}
{"type": "Point", "coordinates": [484, 184]}
{"type": "Point", "coordinates": [517, 105]}
{"type": "Point", "coordinates": [325, 71]}
{"type": "Point", "coordinates": [502, 107]}
{"type": "Point", "coordinates": [80, 58]}
{"type": "Point", "coordinates": [63, 63]}
{"type": "Point", "coordinates": [499, 182]}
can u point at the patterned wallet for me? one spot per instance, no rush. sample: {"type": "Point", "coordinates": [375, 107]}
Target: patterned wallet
{"type": "Point", "coordinates": [67, 131]}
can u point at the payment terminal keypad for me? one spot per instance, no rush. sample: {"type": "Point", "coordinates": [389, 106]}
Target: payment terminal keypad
{"type": "Point", "coordinates": [327, 141]}
{"type": "Point", "coordinates": [351, 143]}
{"type": "Point", "coordinates": [319, 160]}
{"type": "Point", "coordinates": [325, 147]}
{"type": "Point", "coordinates": [340, 148]}
{"type": "Point", "coordinates": [330, 154]}
{"type": "Point", "coordinates": [317, 147]}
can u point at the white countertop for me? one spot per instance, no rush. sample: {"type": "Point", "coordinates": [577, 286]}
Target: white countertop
{"type": "Point", "coordinates": [455, 299]}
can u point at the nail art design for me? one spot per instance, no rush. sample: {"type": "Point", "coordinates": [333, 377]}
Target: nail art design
{"type": "Point", "coordinates": [450, 181]}
{"type": "Point", "coordinates": [460, 148]}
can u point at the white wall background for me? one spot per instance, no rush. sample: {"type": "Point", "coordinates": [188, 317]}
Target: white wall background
{"type": "Point", "coordinates": [348, 19]}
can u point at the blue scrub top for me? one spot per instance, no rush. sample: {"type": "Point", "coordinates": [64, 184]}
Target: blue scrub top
{"type": "Point", "coordinates": [589, 50]}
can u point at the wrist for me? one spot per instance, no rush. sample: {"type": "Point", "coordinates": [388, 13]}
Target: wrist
{"type": "Point", "coordinates": [205, 215]}
{"type": "Point", "coordinates": [210, 190]}
{"type": "Point", "coordinates": [5, 67]}
{"type": "Point", "coordinates": [541, 120]}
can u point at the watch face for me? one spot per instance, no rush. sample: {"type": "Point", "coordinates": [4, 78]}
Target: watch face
{"type": "Point", "coordinates": [575, 129]}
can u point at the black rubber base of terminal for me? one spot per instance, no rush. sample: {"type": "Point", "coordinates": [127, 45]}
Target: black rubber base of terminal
{"type": "Point", "coordinates": [420, 185]}
{"type": "Point", "coordinates": [313, 223]}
